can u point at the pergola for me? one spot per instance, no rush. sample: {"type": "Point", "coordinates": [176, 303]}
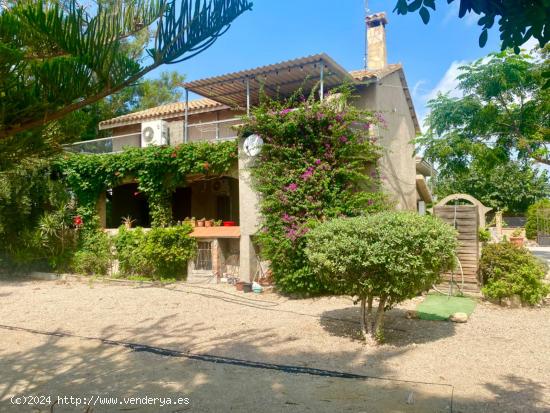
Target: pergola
{"type": "Point", "coordinates": [280, 80]}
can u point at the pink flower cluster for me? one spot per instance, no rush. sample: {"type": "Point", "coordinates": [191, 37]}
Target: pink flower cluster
{"type": "Point", "coordinates": [293, 232]}
{"type": "Point", "coordinates": [292, 187]}
{"type": "Point", "coordinates": [287, 218]}
{"type": "Point", "coordinates": [308, 173]}
{"type": "Point", "coordinates": [381, 119]}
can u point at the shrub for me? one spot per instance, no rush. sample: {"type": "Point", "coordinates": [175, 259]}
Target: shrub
{"type": "Point", "coordinates": [484, 235]}
{"type": "Point", "coordinates": [93, 256]}
{"type": "Point", "coordinates": [536, 215]}
{"type": "Point", "coordinates": [391, 255]}
{"type": "Point", "coordinates": [158, 253]}
{"type": "Point", "coordinates": [128, 251]}
{"type": "Point", "coordinates": [168, 250]}
{"type": "Point", "coordinates": [58, 236]}
{"type": "Point", "coordinates": [506, 270]}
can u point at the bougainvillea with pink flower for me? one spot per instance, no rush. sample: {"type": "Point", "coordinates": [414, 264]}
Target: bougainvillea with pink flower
{"type": "Point", "coordinates": [318, 162]}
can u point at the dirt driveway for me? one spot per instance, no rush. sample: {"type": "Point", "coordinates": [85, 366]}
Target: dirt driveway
{"type": "Point", "coordinates": [227, 351]}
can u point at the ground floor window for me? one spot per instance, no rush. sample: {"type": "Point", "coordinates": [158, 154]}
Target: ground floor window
{"type": "Point", "coordinates": [203, 260]}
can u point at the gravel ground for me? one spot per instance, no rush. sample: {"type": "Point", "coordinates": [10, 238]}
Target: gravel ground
{"type": "Point", "coordinates": [497, 362]}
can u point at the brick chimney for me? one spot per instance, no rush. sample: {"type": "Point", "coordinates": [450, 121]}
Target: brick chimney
{"type": "Point", "coordinates": [377, 54]}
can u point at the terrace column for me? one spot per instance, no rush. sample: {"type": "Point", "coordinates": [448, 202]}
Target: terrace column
{"type": "Point", "coordinates": [101, 207]}
{"type": "Point", "coordinates": [186, 122]}
{"type": "Point", "coordinates": [248, 217]}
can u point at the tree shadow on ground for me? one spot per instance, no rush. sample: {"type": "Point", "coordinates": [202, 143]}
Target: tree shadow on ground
{"type": "Point", "coordinates": [33, 363]}
{"type": "Point", "coordinates": [513, 394]}
{"type": "Point", "coordinates": [398, 329]}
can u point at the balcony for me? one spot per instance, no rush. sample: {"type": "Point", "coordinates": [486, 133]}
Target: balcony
{"type": "Point", "coordinates": [215, 131]}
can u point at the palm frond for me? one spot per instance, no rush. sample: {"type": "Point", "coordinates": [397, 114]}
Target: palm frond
{"type": "Point", "coordinates": [54, 59]}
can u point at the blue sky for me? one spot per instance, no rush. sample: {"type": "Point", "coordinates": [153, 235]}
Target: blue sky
{"type": "Point", "coordinates": [277, 30]}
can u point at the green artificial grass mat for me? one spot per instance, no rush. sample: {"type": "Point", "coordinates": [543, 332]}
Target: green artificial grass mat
{"type": "Point", "coordinates": [441, 307]}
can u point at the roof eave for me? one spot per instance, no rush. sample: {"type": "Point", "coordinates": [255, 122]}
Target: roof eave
{"type": "Point", "coordinates": [105, 125]}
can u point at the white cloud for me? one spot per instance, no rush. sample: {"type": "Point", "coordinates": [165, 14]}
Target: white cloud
{"type": "Point", "coordinates": [417, 90]}
{"type": "Point", "coordinates": [530, 44]}
{"type": "Point", "coordinates": [452, 13]}
{"type": "Point", "coordinates": [448, 83]}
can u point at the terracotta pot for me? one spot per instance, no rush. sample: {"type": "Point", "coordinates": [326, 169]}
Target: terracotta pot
{"type": "Point", "coordinates": [200, 223]}
{"type": "Point", "coordinates": [209, 223]}
{"type": "Point", "coordinates": [517, 241]}
{"type": "Point", "coordinates": [239, 285]}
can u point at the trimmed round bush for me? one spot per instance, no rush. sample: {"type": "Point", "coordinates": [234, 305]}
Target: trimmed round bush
{"type": "Point", "coordinates": [392, 256]}
{"type": "Point", "coordinates": [507, 269]}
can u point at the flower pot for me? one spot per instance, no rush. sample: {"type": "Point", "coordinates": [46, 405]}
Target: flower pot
{"type": "Point", "coordinates": [200, 223]}
{"type": "Point", "coordinates": [517, 241]}
{"type": "Point", "coordinates": [229, 223]}
{"type": "Point", "coordinates": [244, 287]}
{"type": "Point", "coordinates": [209, 223]}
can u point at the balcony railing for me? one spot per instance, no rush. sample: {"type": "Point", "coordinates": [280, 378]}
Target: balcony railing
{"type": "Point", "coordinates": [215, 131]}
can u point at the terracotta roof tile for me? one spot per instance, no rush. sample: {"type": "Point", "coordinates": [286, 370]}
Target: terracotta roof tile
{"type": "Point", "coordinates": [170, 110]}
{"type": "Point", "coordinates": [375, 74]}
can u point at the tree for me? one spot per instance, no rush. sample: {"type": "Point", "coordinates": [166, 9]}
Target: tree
{"type": "Point", "coordinates": [518, 20]}
{"type": "Point", "coordinates": [155, 92]}
{"type": "Point", "coordinates": [498, 129]}
{"type": "Point", "coordinates": [83, 124]}
{"type": "Point", "coordinates": [58, 57]}
{"type": "Point", "coordinates": [538, 218]}
{"type": "Point", "coordinates": [392, 256]}
{"type": "Point", "coordinates": [510, 186]}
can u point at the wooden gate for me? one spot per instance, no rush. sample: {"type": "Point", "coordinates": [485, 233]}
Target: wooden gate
{"type": "Point", "coordinates": [467, 219]}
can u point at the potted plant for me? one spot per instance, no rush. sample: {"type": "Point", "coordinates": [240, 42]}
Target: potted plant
{"type": "Point", "coordinates": [191, 221]}
{"type": "Point", "coordinates": [200, 222]}
{"type": "Point", "coordinates": [517, 237]}
{"type": "Point", "coordinates": [128, 222]}
{"type": "Point", "coordinates": [209, 223]}
{"type": "Point", "coordinates": [218, 223]}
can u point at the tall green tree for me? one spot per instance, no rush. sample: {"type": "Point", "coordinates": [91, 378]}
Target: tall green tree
{"type": "Point", "coordinates": [58, 57]}
{"type": "Point", "coordinates": [147, 93]}
{"type": "Point", "coordinates": [518, 20]}
{"type": "Point", "coordinates": [512, 186]}
{"type": "Point", "coordinates": [487, 141]}
{"type": "Point", "coordinates": [504, 113]}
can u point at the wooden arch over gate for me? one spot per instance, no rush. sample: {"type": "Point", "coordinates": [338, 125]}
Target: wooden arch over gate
{"type": "Point", "coordinates": [467, 219]}
{"type": "Point", "coordinates": [481, 209]}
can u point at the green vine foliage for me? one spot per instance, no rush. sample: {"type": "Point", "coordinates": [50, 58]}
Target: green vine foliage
{"type": "Point", "coordinates": [318, 162]}
{"type": "Point", "coordinates": [157, 170]}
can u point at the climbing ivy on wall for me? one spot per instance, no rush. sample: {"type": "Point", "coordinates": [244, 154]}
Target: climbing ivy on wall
{"type": "Point", "coordinates": [318, 162]}
{"type": "Point", "coordinates": [157, 170]}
